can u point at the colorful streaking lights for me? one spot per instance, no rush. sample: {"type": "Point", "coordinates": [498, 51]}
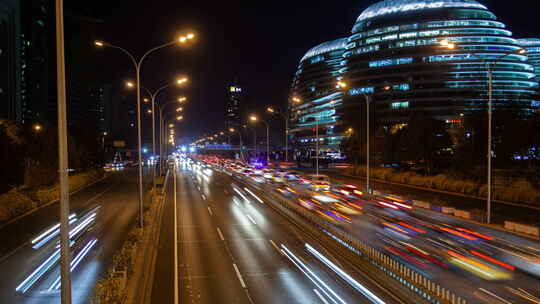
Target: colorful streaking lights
{"type": "Point", "coordinates": [331, 294]}
{"type": "Point", "coordinates": [363, 290]}
{"type": "Point", "coordinates": [49, 234]}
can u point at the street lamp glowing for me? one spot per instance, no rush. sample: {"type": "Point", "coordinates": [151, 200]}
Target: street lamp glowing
{"type": "Point", "coordinates": [99, 43]}
{"type": "Point", "coordinates": [37, 127]}
{"type": "Point", "coordinates": [130, 84]}
{"type": "Point", "coordinates": [181, 80]}
{"type": "Point", "coordinates": [270, 110]}
{"type": "Point", "coordinates": [182, 39]}
{"type": "Point", "coordinates": [182, 99]}
{"type": "Point", "coordinates": [253, 118]}
{"type": "Point", "coordinates": [522, 51]}
{"type": "Point", "coordinates": [146, 99]}
{"type": "Point", "coordinates": [231, 130]}
{"type": "Point", "coordinates": [221, 133]}
{"type": "Point", "coordinates": [350, 130]}
{"type": "Point", "coordinates": [179, 109]}
{"type": "Point", "coordinates": [448, 44]}
{"type": "Point", "coordinates": [190, 36]}
{"type": "Point", "coordinates": [171, 125]}
{"type": "Point", "coordinates": [149, 111]}
{"type": "Point", "coordinates": [296, 99]}
{"type": "Point", "coordinates": [179, 117]}
{"type": "Point", "coordinates": [105, 133]}
{"type": "Point", "coordinates": [341, 84]}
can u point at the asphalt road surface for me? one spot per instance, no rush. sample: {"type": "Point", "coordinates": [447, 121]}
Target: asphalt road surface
{"type": "Point", "coordinates": [117, 196]}
{"type": "Point", "coordinates": [230, 251]}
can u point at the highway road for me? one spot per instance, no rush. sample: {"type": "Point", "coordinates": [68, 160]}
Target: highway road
{"type": "Point", "coordinates": [478, 263]}
{"type": "Point", "coordinates": [117, 196]}
{"type": "Point", "coordinates": [230, 250]}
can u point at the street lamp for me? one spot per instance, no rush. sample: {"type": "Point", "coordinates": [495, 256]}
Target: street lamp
{"type": "Point", "coordinates": [272, 110]}
{"type": "Point", "coordinates": [179, 117]}
{"type": "Point", "coordinates": [153, 97]}
{"type": "Point", "coordinates": [180, 109]}
{"type": "Point", "coordinates": [254, 119]}
{"type": "Point", "coordinates": [37, 127]}
{"type": "Point", "coordinates": [450, 45]}
{"type": "Point", "coordinates": [138, 65]}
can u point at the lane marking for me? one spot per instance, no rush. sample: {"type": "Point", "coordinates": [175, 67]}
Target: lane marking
{"type": "Point", "coordinates": [203, 197]}
{"type": "Point", "coordinates": [210, 211]}
{"type": "Point", "coordinates": [276, 247]}
{"type": "Point", "coordinates": [320, 296]}
{"type": "Point", "coordinates": [242, 195]}
{"type": "Point", "coordinates": [220, 234]}
{"type": "Point", "coordinates": [239, 276]}
{"type": "Point", "coordinates": [253, 194]}
{"type": "Point", "coordinates": [251, 219]}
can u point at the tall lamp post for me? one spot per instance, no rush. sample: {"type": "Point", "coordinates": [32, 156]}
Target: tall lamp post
{"type": "Point", "coordinates": [137, 65]}
{"type": "Point", "coordinates": [272, 110]}
{"type": "Point", "coordinates": [153, 96]}
{"type": "Point", "coordinates": [65, 252]}
{"type": "Point", "coordinates": [162, 107]}
{"type": "Point", "coordinates": [488, 62]}
{"type": "Point", "coordinates": [254, 118]}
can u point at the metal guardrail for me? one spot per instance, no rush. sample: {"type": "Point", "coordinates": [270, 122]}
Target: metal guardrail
{"type": "Point", "coordinates": [402, 274]}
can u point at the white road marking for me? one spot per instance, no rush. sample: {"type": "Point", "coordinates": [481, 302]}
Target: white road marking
{"type": "Point", "coordinates": [220, 234]}
{"type": "Point", "coordinates": [203, 197]}
{"type": "Point", "coordinates": [320, 296]}
{"type": "Point", "coordinates": [239, 276]}
{"type": "Point", "coordinates": [251, 219]}
{"type": "Point", "coordinates": [276, 247]}
{"type": "Point", "coordinates": [253, 194]}
{"type": "Point", "coordinates": [210, 211]}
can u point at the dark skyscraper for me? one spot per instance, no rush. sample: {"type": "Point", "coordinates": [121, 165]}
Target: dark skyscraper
{"type": "Point", "coordinates": [235, 96]}
{"type": "Point", "coordinates": [9, 59]}
{"type": "Point", "coordinates": [36, 61]}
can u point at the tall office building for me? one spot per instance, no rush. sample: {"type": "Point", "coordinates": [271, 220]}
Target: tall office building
{"type": "Point", "coordinates": [396, 56]}
{"type": "Point", "coordinates": [37, 62]}
{"type": "Point", "coordinates": [235, 96]}
{"type": "Point", "coordinates": [532, 46]}
{"type": "Point", "coordinates": [314, 84]}
{"type": "Point", "coordinates": [99, 105]}
{"type": "Point", "coordinates": [10, 60]}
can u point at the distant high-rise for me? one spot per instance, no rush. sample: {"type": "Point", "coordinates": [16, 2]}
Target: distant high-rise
{"type": "Point", "coordinates": [35, 62]}
{"type": "Point", "coordinates": [235, 96]}
{"type": "Point", "coordinates": [10, 59]}
{"type": "Point", "coordinates": [99, 107]}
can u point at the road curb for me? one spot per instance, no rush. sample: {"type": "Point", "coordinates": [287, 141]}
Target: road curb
{"type": "Point", "coordinates": [139, 288]}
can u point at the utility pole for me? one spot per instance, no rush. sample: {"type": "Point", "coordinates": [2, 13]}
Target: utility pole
{"type": "Point", "coordinates": [65, 253]}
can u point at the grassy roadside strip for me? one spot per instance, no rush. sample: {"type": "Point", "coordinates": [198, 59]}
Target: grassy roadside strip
{"type": "Point", "coordinates": [519, 193]}
{"type": "Point", "coordinates": [16, 204]}
{"type": "Point", "coordinates": [125, 273]}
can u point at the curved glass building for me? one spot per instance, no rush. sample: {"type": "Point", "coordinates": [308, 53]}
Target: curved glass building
{"type": "Point", "coordinates": [316, 100]}
{"type": "Point", "coordinates": [532, 45]}
{"type": "Point", "coordinates": [395, 54]}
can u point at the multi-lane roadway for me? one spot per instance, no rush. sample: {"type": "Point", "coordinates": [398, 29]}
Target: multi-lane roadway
{"type": "Point", "coordinates": [233, 248]}
{"type": "Point", "coordinates": [20, 260]}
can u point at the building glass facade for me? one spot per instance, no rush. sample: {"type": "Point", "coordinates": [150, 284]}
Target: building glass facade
{"type": "Point", "coordinates": [320, 101]}
{"type": "Point", "coordinates": [395, 51]}
{"type": "Point", "coordinates": [532, 45]}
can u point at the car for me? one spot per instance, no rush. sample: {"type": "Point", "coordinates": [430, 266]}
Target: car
{"type": "Point", "coordinates": [258, 178]}
{"type": "Point", "coordinates": [318, 178]}
{"type": "Point", "coordinates": [348, 190]}
{"type": "Point", "coordinates": [319, 186]}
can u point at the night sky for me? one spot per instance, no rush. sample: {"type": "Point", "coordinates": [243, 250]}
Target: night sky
{"type": "Point", "coordinates": [257, 42]}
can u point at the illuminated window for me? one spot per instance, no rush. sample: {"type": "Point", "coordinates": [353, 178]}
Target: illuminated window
{"type": "Point", "coordinates": [399, 105]}
{"type": "Point", "coordinates": [388, 62]}
{"type": "Point", "coordinates": [358, 91]}
{"type": "Point", "coordinates": [401, 87]}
